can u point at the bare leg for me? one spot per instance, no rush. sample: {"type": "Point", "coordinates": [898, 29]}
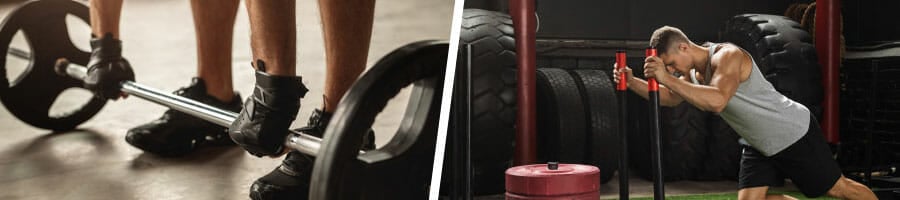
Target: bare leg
{"type": "Point", "coordinates": [214, 27]}
{"type": "Point", "coordinates": [846, 188]}
{"type": "Point", "coordinates": [779, 197]}
{"type": "Point", "coordinates": [757, 193]}
{"type": "Point", "coordinates": [347, 28]}
{"type": "Point", "coordinates": [273, 36]}
{"type": "Point", "coordinates": [105, 17]}
{"type": "Point", "coordinates": [753, 193]}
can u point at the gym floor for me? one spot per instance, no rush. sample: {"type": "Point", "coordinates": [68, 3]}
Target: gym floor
{"type": "Point", "coordinates": [94, 162]}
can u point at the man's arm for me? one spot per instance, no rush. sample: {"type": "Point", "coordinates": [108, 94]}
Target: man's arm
{"type": "Point", "coordinates": [722, 87]}
{"type": "Point", "coordinates": [667, 97]}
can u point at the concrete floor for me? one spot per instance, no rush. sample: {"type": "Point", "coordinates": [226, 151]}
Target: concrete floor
{"type": "Point", "coordinates": [94, 162]}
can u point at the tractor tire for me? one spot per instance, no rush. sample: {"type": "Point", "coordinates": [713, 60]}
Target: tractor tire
{"type": "Point", "coordinates": [723, 158]}
{"type": "Point", "coordinates": [683, 132]}
{"type": "Point", "coordinates": [784, 53]}
{"type": "Point", "coordinates": [493, 104]}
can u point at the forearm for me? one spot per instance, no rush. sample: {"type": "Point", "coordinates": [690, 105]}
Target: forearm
{"type": "Point", "coordinates": [640, 87]}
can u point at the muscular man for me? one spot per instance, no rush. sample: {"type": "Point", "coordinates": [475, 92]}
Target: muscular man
{"type": "Point", "coordinates": [347, 26]}
{"type": "Point", "coordinates": [782, 136]}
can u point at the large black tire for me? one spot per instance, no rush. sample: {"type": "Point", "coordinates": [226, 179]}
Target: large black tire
{"type": "Point", "coordinates": [490, 35]}
{"type": "Point", "coordinates": [560, 117]}
{"type": "Point", "coordinates": [683, 132]}
{"type": "Point", "coordinates": [601, 105]}
{"type": "Point", "coordinates": [723, 158]}
{"type": "Point", "coordinates": [784, 53]}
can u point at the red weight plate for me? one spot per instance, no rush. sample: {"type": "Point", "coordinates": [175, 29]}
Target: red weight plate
{"type": "Point", "coordinates": [538, 180]}
{"type": "Point", "coordinates": [585, 196]}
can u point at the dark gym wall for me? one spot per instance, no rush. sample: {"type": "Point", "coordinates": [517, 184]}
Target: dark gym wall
{"type": "Point", "coordinates": [636, 19]}
{"type": "Point", "coordinates": [870, 21]}
{"type": "Point", "coordinates": [495, 5]}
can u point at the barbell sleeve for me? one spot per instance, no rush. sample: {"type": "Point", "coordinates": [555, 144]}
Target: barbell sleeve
{"type": "Point", "coordinates": [295, 140]}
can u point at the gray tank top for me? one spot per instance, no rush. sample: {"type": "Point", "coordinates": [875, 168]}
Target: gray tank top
{"type": "Point", "coordinates": [766, 119]}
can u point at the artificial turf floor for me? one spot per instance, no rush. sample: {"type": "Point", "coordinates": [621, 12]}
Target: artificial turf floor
{"type": "Point", "coordinates": [724, 196]}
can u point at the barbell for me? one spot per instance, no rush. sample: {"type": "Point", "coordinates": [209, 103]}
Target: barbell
{"type": "Point", "coordinates": [296, 140]}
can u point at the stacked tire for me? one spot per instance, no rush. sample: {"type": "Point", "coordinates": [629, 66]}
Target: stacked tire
{"type": "Point", "coordinates": [576, 119]}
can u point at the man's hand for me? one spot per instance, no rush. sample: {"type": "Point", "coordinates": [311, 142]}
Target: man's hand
{"type": "Point", "coordinates": [262, 125]}
{"type": "Point", "coordinates": [107, 68]}
{"type": "Point", "coordinates": [617, 73]}
{"type": "Point", "coordinates": [655, 68]}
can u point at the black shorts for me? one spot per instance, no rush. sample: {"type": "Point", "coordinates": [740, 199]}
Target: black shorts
{"type": "Point", "coordinates": [807, 162]}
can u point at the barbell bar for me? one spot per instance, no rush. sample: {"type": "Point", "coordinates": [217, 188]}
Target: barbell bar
{"type": "Point", "coordinates": [295, 140]}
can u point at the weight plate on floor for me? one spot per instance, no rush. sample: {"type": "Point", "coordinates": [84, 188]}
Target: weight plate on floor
{"type": "Point", "coordinates": [402, 168]}
{"type": "Point", "coordinates": [31, 95]}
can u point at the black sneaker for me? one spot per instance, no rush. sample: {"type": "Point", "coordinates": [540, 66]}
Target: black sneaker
{"type": "Point", "coordinates": [291, 179]}
{"type": "Point", "coordinates": [176, 133]}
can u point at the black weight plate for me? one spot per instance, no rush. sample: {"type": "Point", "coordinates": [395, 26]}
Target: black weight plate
{"type": "Point", "coordinates": [402, 168]}
{"type": "Point", "coordinates": [601, 105]}
{"type": "Point", "coordinates": [29, 98]}
{"type": "Point", "coordinates": [560, 117]}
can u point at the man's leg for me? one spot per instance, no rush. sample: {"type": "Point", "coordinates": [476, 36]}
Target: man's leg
{"type": "Point", "coordinates": [275, 100]}
{"type": "Point", "coordinates": [347, 26]}
{"type": "Point", "coordinates": [271, 109]}
{"type": "Point", "coordinates": [347, 31]}
{"type": "Point", "coordinates": [214, 27]}
{"type": "Point", "coordinates": [846, 188]}
{"type": "Point", "coordinates": [105, 17]}
{"type": "Point", "coordinates": [106, 67]}
{"type": "Point", "coordinates": [756, 193]}
{"type": "Point", "coordinates": [273, 36]}
{"type": "Point", "coordinates": [176, 133]}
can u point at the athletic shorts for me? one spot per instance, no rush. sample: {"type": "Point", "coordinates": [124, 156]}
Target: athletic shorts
{"type": "Point", "coordinates": [807, 162]}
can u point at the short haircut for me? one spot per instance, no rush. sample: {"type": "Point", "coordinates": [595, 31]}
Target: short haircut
{"type": "Point", "coordinates": [666, 37]}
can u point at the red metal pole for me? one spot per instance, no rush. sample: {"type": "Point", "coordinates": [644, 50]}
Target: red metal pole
{"type": "Point", "coordinates": [622, 91]}
{"type": "Point", "coordinates": [522, 13]}
{"type": "Point", "coordinates": [659, 191]}
{"type": "Point", "coordinates": [828, 35]}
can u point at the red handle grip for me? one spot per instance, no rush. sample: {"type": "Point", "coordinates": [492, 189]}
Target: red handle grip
{"type": "Point", "coordinates": [620, 64]}
{"type": "Point", "coordinates": [652, 85]}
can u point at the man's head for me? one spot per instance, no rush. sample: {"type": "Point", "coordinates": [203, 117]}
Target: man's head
{"type": "Point", "coordinates": [672, 47]}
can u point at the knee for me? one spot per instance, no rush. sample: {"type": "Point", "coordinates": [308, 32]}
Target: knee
{"type": "Point", "coordinates": [752, 193]}
{"type": "Point", "coordinates": [839, 188]}
{"type": "Point", "coordinates": [845, 187]}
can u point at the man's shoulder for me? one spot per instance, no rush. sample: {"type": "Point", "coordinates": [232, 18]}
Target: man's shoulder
{"type": "Point", "coordinates": [735, 60]}
{"type": "Point", "coordinates": [728, 53]}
